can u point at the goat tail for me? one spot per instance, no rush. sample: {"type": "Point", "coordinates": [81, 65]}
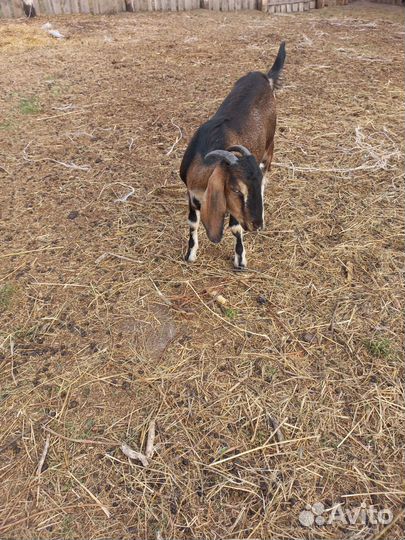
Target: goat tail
{"type": "Point", "coordinates": [275, 72]}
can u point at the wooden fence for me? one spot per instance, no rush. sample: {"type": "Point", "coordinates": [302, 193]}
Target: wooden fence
{"type": "Point", "coordinates": [15, 8]}
{"type": "Point", "coordinates": [394, 2]}
{"type": "Point", "coordinates": [21, 8]}
{"type": "Point", "coordinates": [287, 6]}
{"type": "Point", "coordinates": [230, 5]}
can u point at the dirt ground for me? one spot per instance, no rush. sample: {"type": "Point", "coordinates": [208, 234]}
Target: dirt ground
{"type": "Point", "coordinates": [288, 395]}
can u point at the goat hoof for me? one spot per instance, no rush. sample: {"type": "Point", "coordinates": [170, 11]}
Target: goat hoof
{"type": "Point", "coordinates": [190, 258]}
{"type": "Point", "coordinates": [239, 262]}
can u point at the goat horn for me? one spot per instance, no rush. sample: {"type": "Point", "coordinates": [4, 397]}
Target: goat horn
{"type": "Point", "coordinates": [230, 158]}
{"type": "Point", "coordinates": [239, 148]}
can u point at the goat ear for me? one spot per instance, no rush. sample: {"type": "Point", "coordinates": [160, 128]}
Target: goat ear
{"type": "Point", "coordinates": [213, 208]}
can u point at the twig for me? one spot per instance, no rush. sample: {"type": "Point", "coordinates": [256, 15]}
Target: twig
{"type": "Point", "coordinates": [150, 449]}
{"type": "Point", "coordinates": [133, 454]}
{"type": "Point", "coordinates": [71, 165]}
{"type": "Point", "coordinates": [80, 441]}
{"type": "Point", "coordinates": [45, 248]}
{"type": "Point", "coordinates": [116, 255]}
{"type": "Point", "coordinates": [262, 447]}
{"type": "Point", "coordinates": [25, 153]}
{"type": "Point", "coordinates": [276, 428]}
{"type": "Point", "coordinates": [178, 138]}
{"type": "Point", "coordinates": [43, 455]}
{"type": "Point", "coordinates": [97, 501]}
{"type": "Point", "coordinates": [5, 170]}
{"type": "Point", "coordinates": [125, 197]}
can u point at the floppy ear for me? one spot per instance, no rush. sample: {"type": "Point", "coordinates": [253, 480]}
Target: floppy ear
{"type": "Point", "coordinates": [213, 208]}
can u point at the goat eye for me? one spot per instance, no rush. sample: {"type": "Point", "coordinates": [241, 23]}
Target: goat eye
{"type": "Point", "coordinates": [236, 191]}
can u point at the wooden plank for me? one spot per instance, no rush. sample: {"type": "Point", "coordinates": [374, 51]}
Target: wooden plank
{"type": "Point", "coordinates": [48, 7]}
{"type": "Point", "coordinates": [16, 7]}
{"type": "Point", "coordinates": [76, 6]}
{"type": "Point", "coordinates": [5, 9]}
{"type": "Point", "coordinates": [84, 6]}
{"type": "Point", "coordinates": [56, 9]}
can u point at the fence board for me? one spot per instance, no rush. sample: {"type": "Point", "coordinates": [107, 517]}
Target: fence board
{"type": "Point", "coordinates": [5, 9]}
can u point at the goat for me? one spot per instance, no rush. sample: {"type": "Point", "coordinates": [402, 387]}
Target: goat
{"type": "Point", "coordinates": [223, 167]}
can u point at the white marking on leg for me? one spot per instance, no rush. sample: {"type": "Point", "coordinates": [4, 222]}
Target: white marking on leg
{"type": "Point", "coordinates": [243, 261]}
{"type": "Point", "coordinates": [237, 229]}
{"type": "Point", "coordinates": [239, 261]}
{"type": "Point", "coordinates": [194, 234]}
{"type": "Point", "coordinates": [193, 252]}
{"type": "Point", "coordinates": [264, 182]}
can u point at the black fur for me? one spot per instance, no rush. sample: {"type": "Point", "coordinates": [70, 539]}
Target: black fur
{"type": "Point", "coordinates": [29, 10]}
{"type": "Point", "coordinates": [212, 135]}
{"type": "Point", "coordinates": [251, 175]}
{"type": "Point", "coordinates": [275, 72]}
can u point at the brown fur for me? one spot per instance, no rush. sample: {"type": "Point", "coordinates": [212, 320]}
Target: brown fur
{"type": "Point", "coordinates": [214, 205]}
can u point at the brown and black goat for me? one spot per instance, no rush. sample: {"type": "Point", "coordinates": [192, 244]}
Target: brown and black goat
{"type": "Point", "coordinates": [225, 162]}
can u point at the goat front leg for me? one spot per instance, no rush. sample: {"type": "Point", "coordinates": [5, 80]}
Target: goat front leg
{"type": "Point", "coordinates": [240, 257]}
{"type": "Point", "coordinates": [193, 222]}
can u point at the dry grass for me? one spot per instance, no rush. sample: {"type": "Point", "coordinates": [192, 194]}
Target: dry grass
{"type": "Point", "coordinates": [287, 395]}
